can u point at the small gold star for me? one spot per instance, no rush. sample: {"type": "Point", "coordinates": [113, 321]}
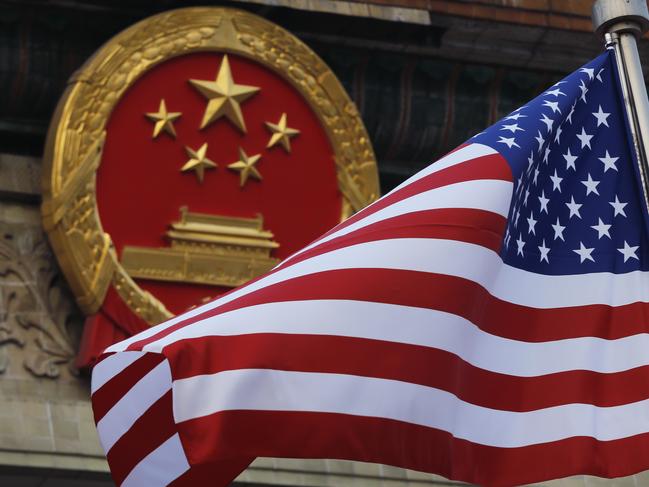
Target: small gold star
{"type": "Point", "coordinates": [223, 97]}
{"type": "Point", "coordinates": [246, 167]}
{"type": "Point", "coordinates": [198, 162]}
{"type": "Point", "coordinates": [281, 133]}
{"type": "Point", "coordinates": [164, 121]}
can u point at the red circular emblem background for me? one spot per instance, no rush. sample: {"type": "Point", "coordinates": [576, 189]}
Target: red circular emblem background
{"type": "Point", "coordinates": [140, 187]}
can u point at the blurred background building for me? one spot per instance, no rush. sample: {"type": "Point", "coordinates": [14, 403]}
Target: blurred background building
{"type": "Point", "coordinates": [425, 75]}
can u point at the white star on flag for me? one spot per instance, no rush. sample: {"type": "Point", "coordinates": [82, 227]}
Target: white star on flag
{"type": "Point", "coordinates": [531, 222]}
{"type": "Point", "coordinates": [539, 138]}
{"type": "Point", "coordinates": [572, 111]}
{"type": "Point", "coordinates": [601, 117]}
{"type": "Point", "coordinates": [546, 155]}
{"type": "Point", "coordinates": [609, 162]}
{"type": "Point", "coordinates": [515, 116]}
{"type": "Point", "coordinates": [556, 92]}
{"type": "Point", "coordinates": [530, 161]}
{"type": "Point", "coordinates": [547, 121]}
{"type": "Point", "coordinates": [556, 181]}
{"type": "Point", "coordinates": [520, 243]}
{"type": "Point", "coordinates": [574, 208]}
{"type": "Point", "coordinates": [618, 207]}
{"type": "Point", "coordinates": [584, 138]}
{"type": "Point", "coordinates": [544, 252]}
{"type": "Point", "coordinates": [589, 71]}
{"type": "Point", "coordinates": [558, 230]}
{"type": "Point", "coordinates": [602, 229]}
{"type": "Point", "coordinates": [544, 202]}
{"type": "Point", "coordinates": [628, 251]}
{"type": "Point", "coordinates": [584, 90]}
{"type": "Point", "coordinates": [512, 128]}
{"type": "Point", "coordinates": [570, 160]}
{"type": "Point", "coordinates": [510, 142]}
{"type": "Point", "coordinates": [584, 253]}
{"type": "Point", "coordinates": [591, 185]}
{"type": "Point", "coordinates": [554, 106]}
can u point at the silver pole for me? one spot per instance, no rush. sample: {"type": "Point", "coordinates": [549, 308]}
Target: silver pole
{"type": "Point", "coordinates": [622, 22]}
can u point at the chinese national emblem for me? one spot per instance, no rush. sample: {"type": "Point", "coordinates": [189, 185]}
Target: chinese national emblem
{"type": "Point", "coordinates": [189, 155]}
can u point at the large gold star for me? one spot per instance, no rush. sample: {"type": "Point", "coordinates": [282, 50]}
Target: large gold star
{"type": "Point", "coordinates": [246, 167]}
{"type": "Point", "coordinates": [164, 121]}
{"type": "Point", "coordinates": [198, 162]}
{"type": "Point", "coordinates": [223, 97]}
{"type": "Point", "coordinates": [281, 133]}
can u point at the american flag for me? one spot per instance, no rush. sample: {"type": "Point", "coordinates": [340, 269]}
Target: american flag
{"type": "Point", "coordinates": [486, 321]}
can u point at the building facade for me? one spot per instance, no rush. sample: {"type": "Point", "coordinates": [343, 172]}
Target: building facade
{"type": "Point", "coordinates": [425, 76]}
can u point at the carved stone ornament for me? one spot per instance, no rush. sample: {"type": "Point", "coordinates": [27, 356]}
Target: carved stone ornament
{"type": "Point", "coordinates": [78, 132]}
{"type": "Point", "coordinates": [35, 312]}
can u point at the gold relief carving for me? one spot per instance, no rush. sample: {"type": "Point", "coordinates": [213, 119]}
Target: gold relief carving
{"type": "Point", "coordinates": [246, 167]}
{"type": "Point", "coordinates": [206, 249]}
{"type": "Point", "coordinates": [71, 220]}
{"type": "Point", "coordinates": [163, 120]}
{"type": "Point", "coordinates": [76, 133]}
{"type": "Point", "coordinates": [198, 162]}
{"type": "Point", "coordinates": [281, 133]}
{"type": "Point", "coordinates": [224, 97]}
{"type": "Point", "coordinates": [141, 302]}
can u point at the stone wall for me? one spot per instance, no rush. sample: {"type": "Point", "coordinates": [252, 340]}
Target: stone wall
{"type": "Point", "coordinates": [44, 418]}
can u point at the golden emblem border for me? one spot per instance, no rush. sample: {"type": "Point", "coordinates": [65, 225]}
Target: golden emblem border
{"type": "Point", "coordinates": [77, 132]}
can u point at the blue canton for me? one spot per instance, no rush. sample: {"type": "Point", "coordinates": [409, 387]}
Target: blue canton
{"type": "Point", "coordinates": [577, 204]}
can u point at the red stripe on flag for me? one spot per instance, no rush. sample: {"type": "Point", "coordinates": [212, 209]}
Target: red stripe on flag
{"type": "Point", "coordinates": [451, 294]}
{"type": "Point", "coordinates": [231, 434]}
{"type": "Point", "coordinates": [492, 166]}
{"type": "Point", "coordinates": [152, 429]}
{"type": "Point", "coordinates": [457, 296]}
{"type": "Point", "coordinates": [474, 226]}
{"type": "Point", "coordinates": [404, 362]}
{"type": "Point", "coordinates": [405, 226]}
{"type": "Point", "coordinates": [112, 391]}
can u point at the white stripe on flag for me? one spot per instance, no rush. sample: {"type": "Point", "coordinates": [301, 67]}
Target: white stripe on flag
{"type": "Point", "coordinates": [110, 367]}
{"type": "Point", "coordinates": [273, 390]}
{"type": "Point", "coordinates": [460, 259]}
{"type": "Point", "coordinates": [423, 327]}
{"type": "Point", "coordinates": [160, 467]}
{"type": "Point", "coordinates": [119, 419]}
{"type": "Point", "coordinates": [489, 195]}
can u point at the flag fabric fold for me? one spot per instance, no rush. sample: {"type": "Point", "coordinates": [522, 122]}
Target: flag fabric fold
{"type": "Point", "coordinates": [487, 321]}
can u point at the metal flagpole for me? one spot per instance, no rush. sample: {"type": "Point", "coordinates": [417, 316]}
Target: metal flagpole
{"type": "Point", "coordinates": [621, 23]}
